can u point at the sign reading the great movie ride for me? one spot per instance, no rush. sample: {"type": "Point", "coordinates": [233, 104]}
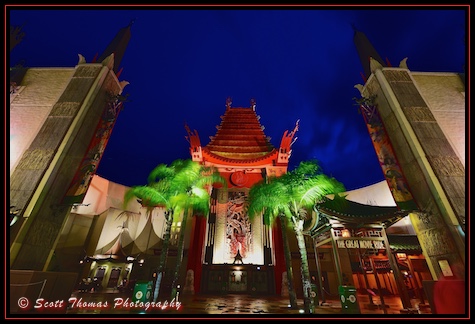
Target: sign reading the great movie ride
{"type": "Point", "coordinates": [360, 244]}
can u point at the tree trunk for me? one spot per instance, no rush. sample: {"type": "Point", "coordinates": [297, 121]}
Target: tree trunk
{"type": "Point", "coordinates": [288, 263]}
{"type": "Point", "coordinates": [163, 255]}
{"type": "Point", "coordinates": [179, 256]}
{"type": "Point", "coordinates": [306, 284]}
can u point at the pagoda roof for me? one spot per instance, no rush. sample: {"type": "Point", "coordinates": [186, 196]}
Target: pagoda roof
{"type": "Point", "coordinates": [405, 243]}
{"type": "Point", "coordinates": [348, 211]}
{"type": "Point", "coordinates": [240, 137]}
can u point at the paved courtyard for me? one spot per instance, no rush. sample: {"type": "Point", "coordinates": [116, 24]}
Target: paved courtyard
{"type": "Point", "coordinates": [212, 306]}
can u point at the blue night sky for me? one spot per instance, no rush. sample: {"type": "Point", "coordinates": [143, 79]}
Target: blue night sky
{"type": "Point", "coordinates": [299, 63]}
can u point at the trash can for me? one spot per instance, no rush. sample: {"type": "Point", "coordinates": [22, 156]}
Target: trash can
{"type": "Point", "coordinates": [142, 291]}
{"type": "Point", "coordinates": [349, 302]}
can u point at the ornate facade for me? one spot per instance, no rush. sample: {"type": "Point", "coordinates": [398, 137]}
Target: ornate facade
{"type": "Point", "coordinates": [244, 156]}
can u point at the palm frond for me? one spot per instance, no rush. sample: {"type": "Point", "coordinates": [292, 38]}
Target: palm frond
{"type": "Point", "coordinates": [150, 197]}
{"type": "Point", "coordinates": [293, 193]}
{"type": "Point", "coordinates": [160, 172]}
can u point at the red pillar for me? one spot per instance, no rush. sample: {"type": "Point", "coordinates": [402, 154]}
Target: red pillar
{"type": "Point", "coordinates": [279, 268]}
{"type": "Point", "coordinates": [195, 251]}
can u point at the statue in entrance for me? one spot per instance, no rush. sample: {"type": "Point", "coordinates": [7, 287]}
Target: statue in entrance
{"type": "Point", "coordinates": [238, 258]}
{"type": "Point", "coordinates": [189, 283]}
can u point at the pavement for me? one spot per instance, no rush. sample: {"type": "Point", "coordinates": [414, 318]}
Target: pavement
{"type": "Point", "coordinates": [113, 304]}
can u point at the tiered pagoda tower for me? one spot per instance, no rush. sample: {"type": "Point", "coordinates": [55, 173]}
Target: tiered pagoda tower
{"type": "Point", "coordinates": [243, 155]}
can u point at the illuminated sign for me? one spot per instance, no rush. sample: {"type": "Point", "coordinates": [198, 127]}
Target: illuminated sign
{"type": "Point", "coordinates": [359, 244]}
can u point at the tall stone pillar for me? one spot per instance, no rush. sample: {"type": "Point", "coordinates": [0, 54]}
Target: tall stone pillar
{"type": "Point", "coordinates": [48, 168]}
{"type": "Point", "coordinates": [434, 173]}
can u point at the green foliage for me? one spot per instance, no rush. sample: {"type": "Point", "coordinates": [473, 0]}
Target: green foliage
{"type": "Point", "coordinates": [149, 196]}
{"type": "Point", "coordinates": [266, 198]}
{"type": "Point", "coordinates": [181, 185]}
{"type": "Point", "coordinates": [293, 193]}
{"type": "Point", "coordinates": [290, 197]}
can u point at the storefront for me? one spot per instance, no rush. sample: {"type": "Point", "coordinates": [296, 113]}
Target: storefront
{"type": "Point", "coordinates": [354, 249]}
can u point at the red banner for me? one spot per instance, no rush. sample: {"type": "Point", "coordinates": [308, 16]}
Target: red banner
{"type": "Point", "coordinates": [387, 159]}
{"type": "Point", "coordinates": [90, 162]}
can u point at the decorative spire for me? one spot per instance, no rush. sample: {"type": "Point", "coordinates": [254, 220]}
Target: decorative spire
{"type": "Point", "coordinates": [195, 145]}
{"type": "Point", "coordinates": [403, 63]}
{"type": "Point", "coordinates": [16, 36]}
{"type": "Point", "coordinates": [288, 138]}
{"type": "Point", "coordinates": [253, 104]}
{"type": "Point", "coordinates": [228, 103]}
{"type": "Point", "coordinates": [193, 138]}
{"type": "Point", "coordinates": [365, 51]}
{"type": "Point", "coordinates": [118, 46]}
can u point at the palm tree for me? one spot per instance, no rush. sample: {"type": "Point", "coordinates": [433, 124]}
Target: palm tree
{"type": "Point", "coordinates": [194, 184]}
{"type": "Point", "coordinates": [181, 188]}
{"type": "Point", "coordinates": [157, 193]}
{"type": "Point", "coordinates": [262, 199]}
{"type": "Point", "coordinates": [297, 192]}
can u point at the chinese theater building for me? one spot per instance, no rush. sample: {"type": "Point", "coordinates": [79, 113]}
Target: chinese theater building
{"type": "Point", "coordinates": [231, 252]}
{"type": "Point", "coordinates": [388, 238]}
